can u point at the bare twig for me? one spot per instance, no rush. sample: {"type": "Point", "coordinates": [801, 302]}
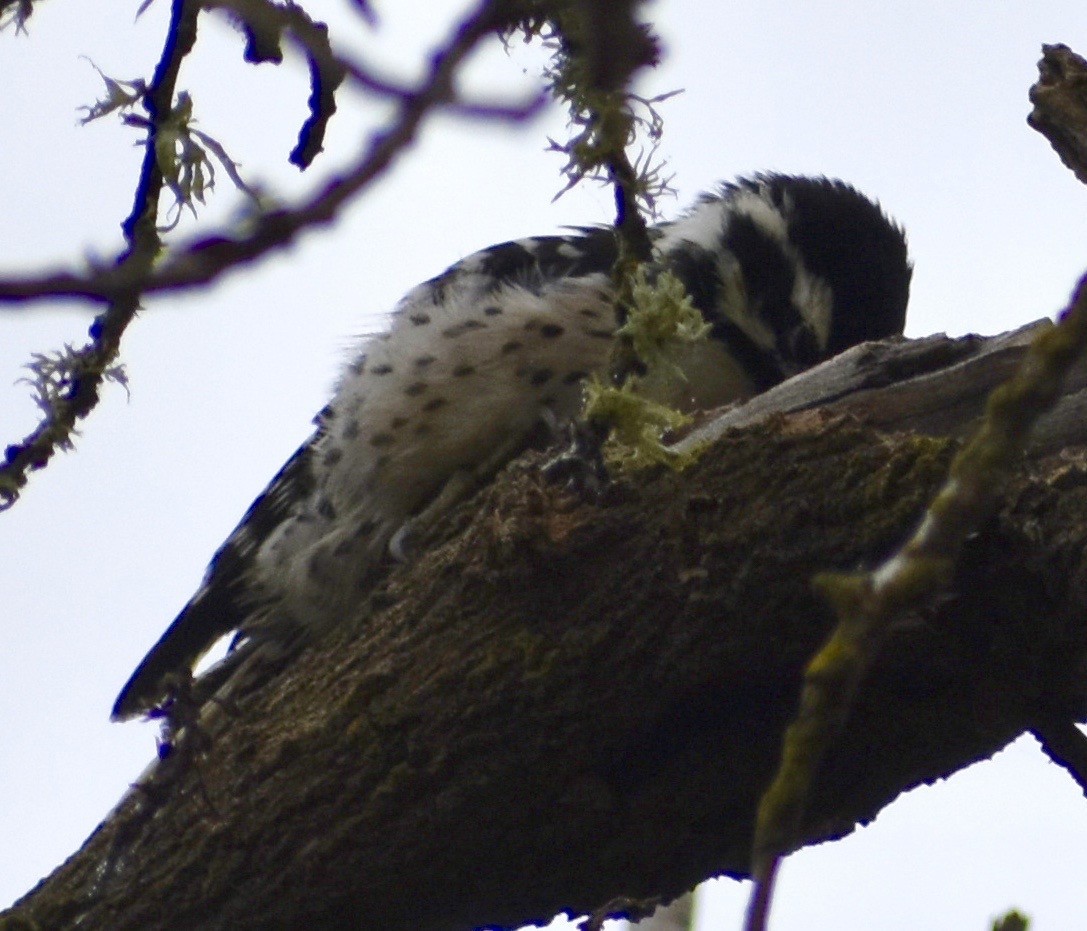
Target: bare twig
{"type": "Point", "coordinates": [17, 12]}
{"type": "Point", "coordinates": [78, 394]}
{"type": "Point", "coordinates": [264, 23]}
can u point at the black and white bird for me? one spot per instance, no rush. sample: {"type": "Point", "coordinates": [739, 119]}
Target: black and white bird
{"type": "Point", "coordinates": [787, 271]}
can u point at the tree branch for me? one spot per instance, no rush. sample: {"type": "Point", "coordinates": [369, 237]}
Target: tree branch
{"type": "Point", "coordinates": [564, 703]}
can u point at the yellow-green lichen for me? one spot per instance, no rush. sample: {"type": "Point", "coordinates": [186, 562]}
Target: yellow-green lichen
{"type": "Point", "coordinates": [661, 320]}
{"type": "Point", "coordinates": [661, 323]}
{"type": "Point", "coordinates": [637, 425]}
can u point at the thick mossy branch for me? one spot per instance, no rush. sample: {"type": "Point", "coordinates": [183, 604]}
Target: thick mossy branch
{"type": "Point", "coordinates": [568, 703]}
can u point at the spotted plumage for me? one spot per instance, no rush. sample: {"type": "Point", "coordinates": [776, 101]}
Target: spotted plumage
{"type": "Point", "coordinates": [786, 271]}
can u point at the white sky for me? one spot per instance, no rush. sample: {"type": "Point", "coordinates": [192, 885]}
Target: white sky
{"type": "Point", "coordinates": [921, 105]}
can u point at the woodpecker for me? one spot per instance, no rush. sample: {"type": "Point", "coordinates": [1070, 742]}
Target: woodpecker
{"type": "Point", "coordinates": [787, 271]}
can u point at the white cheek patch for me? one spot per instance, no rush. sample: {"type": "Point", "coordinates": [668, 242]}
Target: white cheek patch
{"type": "Point", "coordinates": [811, 295]}
{"type": "Point", "coordinates": [768, 218]}
{"type": "Point", "coordinates": [702, 227]}
{"type": "Point", "coordinates": [737, 310]}
{"type": "Point", "coordinates": [814, 299]}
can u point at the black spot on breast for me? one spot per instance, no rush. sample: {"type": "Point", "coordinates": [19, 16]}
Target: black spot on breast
{"type": "Point", "coordinates": [397, 422]}
{"type": "Point", "coordinates": [511, 346]}
{"type": "Point", "coordinates": [462, 371]}
{"type": "Point", "coordinates": [381, 370]}
{"type": "Point", "coordinates": [378, 440]}
{"type": "Point", "coordinates": [434, 403]}
{"type": "Point", "coordinates": [597, 333]}
{"type": "Point", "coordinates": [540, 377]}
{"type": "Point", "coordinates": [492, 311]}
{"type": "Point", "coordinates": [423, 361]}
{"type": "Point", "coordinates": [572, 378]}
{"type": "Point", "coordinates": [415, 389]}
{"type": "Point", "coordinates": [459, 329]}
{"type": "Point", "coordinates": [419, 319]}
{"type": "Point", "coordinates": [325, 509]}
{"type": "Point", "coordinates": [551, 330]}
{"type": "Point", "coordinates": [350, 430]}
{"type": "Point", "coordinates": [333, 456]}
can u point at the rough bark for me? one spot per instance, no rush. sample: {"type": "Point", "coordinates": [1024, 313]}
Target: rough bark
{"type": "Point", "coordinates": [565, 702]}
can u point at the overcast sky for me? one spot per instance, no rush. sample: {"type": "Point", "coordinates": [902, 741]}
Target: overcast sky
{"type": "Point", "coordinates": [920, 105]}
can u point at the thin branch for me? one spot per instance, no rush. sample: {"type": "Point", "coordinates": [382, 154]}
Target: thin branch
{"type": "Point", "coordinates": [17, 12]}
{"type": "Point", "coordinates": [201, 261]}
{"type": "Point", "coordinates": [264, 23]}
{"type": "Point", "coordinates": [206, 259]}
{"type": "Point", "coordinates": [88, 367]}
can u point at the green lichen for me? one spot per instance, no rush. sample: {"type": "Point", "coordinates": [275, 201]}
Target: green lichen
{"type": "Point", "coordinates": [661, 324]}
{"type": "Point", "coordinates": [662, 320]}
{"type": "Point", "coordinates": [637, 426]}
